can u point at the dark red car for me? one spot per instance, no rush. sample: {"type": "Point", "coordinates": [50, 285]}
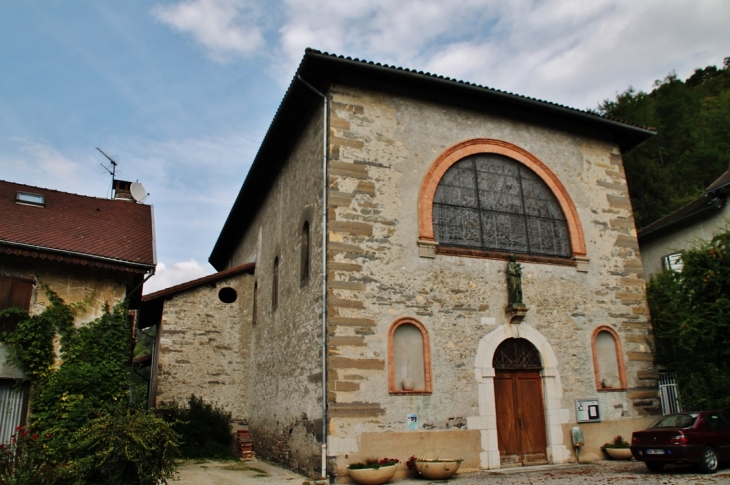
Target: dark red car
{"type": "Point", "coordinates": [702, 438]}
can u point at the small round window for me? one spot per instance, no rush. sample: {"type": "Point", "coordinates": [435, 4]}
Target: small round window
{"type": "Point", "coordinates": [227, 295]}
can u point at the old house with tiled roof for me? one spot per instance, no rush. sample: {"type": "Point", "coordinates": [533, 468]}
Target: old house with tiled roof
{"type": "Point", "coordinates": [78, 246]}
{"type": "Point", "coordinates": [382, 212]}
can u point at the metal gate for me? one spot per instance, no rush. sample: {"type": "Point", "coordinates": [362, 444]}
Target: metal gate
{"type": "Point", "coordinates": [668, 393]}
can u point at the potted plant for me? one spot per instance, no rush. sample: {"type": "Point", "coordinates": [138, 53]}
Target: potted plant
{"type": "Point", "coordinates": [372, 471]}
{"type": "Point", "coordinates": [618, 449]}
{"type": "Point", "coordinates": [434, 469]}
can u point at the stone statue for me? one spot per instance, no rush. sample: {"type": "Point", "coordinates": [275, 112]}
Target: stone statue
{"type": "Point", "coordinates": [514, 283]}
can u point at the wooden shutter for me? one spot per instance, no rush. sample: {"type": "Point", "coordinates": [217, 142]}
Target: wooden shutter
{"type": "Point", "coordinates": [14, 292]}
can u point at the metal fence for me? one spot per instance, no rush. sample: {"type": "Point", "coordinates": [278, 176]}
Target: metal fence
{"type": "Point", "coordinates": [668, 393]}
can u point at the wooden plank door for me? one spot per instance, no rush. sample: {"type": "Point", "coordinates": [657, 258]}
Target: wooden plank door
{"type": "Point", "coordinates": [520, 418]}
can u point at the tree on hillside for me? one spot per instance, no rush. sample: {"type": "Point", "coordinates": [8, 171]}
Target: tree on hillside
{"type": "Point", "coordinates": [692, 145]}
{"type": "Point", "coordinates": [691, 319]}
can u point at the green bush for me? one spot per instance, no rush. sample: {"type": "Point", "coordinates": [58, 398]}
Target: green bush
{"type": "Point", "coordinates": [203, 428]}
{"type": "Point", "coordinates": [26, 460]}
{"type": "Point", "coordinates": [93, 431]}
{"type": "Point", "coordinates": [690, 313]}
{"type": "Point", "coordinates": [123, 448]}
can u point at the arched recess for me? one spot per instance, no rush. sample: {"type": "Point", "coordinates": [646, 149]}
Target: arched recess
{"type": "Point", "coordinates": [486, 145]}
{"type": "Point", "coordinates": [407, 349]}
{"type": "Point", "coordinates": [486, 422]}
{"type": "Point", "coordinates": [608, 363]}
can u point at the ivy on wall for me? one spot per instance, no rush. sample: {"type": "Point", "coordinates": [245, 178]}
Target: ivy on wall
{"type": "Point", "coordinates": [81, 400]}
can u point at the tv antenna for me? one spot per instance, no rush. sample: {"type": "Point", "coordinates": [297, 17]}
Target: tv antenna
{"type": "Point", "coordinates": [113, 170]}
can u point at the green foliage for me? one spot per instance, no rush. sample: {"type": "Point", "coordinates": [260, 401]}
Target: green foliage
{"type": "Point", "coordinates": [692, 145]}
{"type": "Point", "coordinates": [82, 405]}
{"type": "Point", "coordinates": [691, 318]}
{"type": "Point", "coordinates": [123, 447]}
{"type": "Point", "coordinates": [31, 344]}
{"type": "Point", "coordinates": [204, 429]}
{"type": "Point", "coordinates": [618, 442]}
{"type": "Point", "coordinates": [26, 460]}
{"type": "Point", "coordinates": [94, 375]}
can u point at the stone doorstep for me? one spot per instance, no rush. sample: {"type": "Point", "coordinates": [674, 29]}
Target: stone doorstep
{"type": "Point", "coordinates": [535, 468]}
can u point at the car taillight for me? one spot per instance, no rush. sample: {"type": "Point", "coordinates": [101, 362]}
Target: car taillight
{"type": "Point", "coordinates": [680, 439]}
{"type": "Point", "coordinates": [635, 440]}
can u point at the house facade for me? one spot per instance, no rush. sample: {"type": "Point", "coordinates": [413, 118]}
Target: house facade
{"type": "Point", "coordinates": [662, 241]}
{"type": "Point", "coordinates": [441, 269]}
{"type": "Point", "coordinates": [81, 248]}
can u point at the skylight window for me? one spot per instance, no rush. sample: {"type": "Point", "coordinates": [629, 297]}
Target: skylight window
{"type": "Point", "coordinates": [30, 199]}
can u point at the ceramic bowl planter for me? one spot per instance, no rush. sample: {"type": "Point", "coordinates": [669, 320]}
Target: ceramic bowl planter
{"type": "Point", "coordinates": [437, 469]}
{"type": "Point", "coordinates": [618, 453]}
{"type": "Point", "coordinates": [618, 449]}
{"type": "Point", "coordinates": [373, 471]}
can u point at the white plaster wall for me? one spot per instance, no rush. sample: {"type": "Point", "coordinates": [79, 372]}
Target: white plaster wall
{"type": "Point", "coordinates": [690, 235]}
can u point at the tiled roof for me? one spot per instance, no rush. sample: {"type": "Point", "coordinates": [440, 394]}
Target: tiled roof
{"type": "Point", "coordinates": [244, 268]}
{"type": "Point", "coordinates": [114, 230]}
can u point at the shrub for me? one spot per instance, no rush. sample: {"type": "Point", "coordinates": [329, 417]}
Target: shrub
{"type": "Point", "coordinates": [26, 459]}
{"type": "Point", "coordinates": [123, 448]}
{"type": "Point", "coordinates": [203, 428]}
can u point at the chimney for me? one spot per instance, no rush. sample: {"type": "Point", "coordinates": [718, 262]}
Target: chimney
{"type": "Point", "coordinates": [122, 190]}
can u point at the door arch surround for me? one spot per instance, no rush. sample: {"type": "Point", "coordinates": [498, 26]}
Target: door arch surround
{"type": "Point", "coordinates": [484, 372]}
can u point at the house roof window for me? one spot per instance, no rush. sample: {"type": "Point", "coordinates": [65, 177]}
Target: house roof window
{"type": "Point", "coordinates": [30, 199]}
{"type": "Point", "coordinates": [673, 262]}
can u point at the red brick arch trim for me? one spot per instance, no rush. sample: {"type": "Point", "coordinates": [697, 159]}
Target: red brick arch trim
{"type": "Point", "coordinates": [619, 359]}
{"type": "Point", "coordinates": [392, 385]}
{"type": "Point", "coordinates": [486, 145]}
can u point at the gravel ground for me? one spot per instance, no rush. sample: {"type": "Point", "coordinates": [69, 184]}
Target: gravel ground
{"type": "Point", "coordinates": [256, 472]}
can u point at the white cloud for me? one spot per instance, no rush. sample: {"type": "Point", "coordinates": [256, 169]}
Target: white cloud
{"type": "Point", "coordinates": [227, 29]}
{"type": "Point", "coordinates": [40, 164]}
{"type": "Point", "coordinates": [568, 51]}
{"type": "Point", "coordinates": [176, 274]}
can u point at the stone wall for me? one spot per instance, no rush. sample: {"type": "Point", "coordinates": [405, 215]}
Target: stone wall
{"type": "Point", "coordinates": [204, 346]}
{"type": "Point", "coordinates": [286, 342]}
{"type": "Point", "coordinates": [381, 149]}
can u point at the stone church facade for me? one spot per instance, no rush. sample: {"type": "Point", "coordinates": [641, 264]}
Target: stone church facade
{"type": "Point", "coordinates": [402, 341]}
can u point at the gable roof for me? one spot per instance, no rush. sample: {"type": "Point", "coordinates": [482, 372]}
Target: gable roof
{"type": "Point", "coordinates": [188, 285]}
{"type": "Point", "coordinates": [77, 227]}
{"type": "Point", "coordinates": [322, 69]}
{"type": "Point", "coordinates": [712, 200]}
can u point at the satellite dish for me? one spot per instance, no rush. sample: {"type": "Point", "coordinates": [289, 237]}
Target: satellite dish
{"type": "Point", "coordinates": [138, 191]}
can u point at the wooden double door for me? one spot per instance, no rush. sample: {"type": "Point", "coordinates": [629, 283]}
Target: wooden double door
{"type": "Point", "coordinates": [520, 415]}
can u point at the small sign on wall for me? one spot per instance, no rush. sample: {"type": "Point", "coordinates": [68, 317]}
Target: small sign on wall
{"type": "Point", "coordinates": [412, 421]}
{"type": "Point", "coordinates": [587, 410]}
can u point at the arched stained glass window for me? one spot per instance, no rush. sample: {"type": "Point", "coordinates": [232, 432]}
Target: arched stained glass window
{"type": "Point", "coordinates": [492, 202]}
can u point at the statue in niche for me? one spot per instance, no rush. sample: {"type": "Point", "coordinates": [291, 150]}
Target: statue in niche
{"type": "Point", "coordinates": [514, 283]}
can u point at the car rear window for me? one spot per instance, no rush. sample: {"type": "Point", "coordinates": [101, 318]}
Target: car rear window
{"type": "Point", "coordinates": [676, 421]}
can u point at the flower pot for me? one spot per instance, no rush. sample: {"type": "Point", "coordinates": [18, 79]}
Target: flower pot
{"type": "Point", "coordinates": [437, 469]}
{"type": "Point", "coordinates": [372, 476]}
{"type": "Point", "coordinates": [618, 453]}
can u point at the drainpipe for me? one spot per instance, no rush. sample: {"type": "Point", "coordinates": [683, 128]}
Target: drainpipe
{"type": "Point", "coordinates": [324, 275]}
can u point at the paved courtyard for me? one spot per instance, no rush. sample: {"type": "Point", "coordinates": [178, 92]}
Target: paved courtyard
{"type": "Point", "coordinates": [256, 472]}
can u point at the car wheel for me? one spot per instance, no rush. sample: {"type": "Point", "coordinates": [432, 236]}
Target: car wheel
{"type": "Point", "coordinates": [708, 461]}
{"type": "Point", "coordinates": [654, 466]}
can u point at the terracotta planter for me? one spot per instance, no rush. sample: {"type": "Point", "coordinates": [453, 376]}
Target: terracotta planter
{"type": "Point", "coordinates": [618, 453]}
{"type": "Point", "coordinates": [372, 476]}
{"type": "Point", "coordinates": [437, 469]}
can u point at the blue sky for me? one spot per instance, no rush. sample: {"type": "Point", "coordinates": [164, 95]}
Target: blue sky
{"type": "Point", "coordinates": [181, 93]}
